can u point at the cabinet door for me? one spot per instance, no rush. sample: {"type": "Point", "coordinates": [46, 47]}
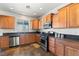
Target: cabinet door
{"type": "Point", "coordinates": [49, 18]}
{"type": "Point", "coordinates": [11, 22]}
{"type": "Point", "coordinates": [37, 38]}
{"type": "Point", "coordinates": [27, 39]}
{"type": "Point", "coordinates": [73, 15]}
{"type": "Point", "coordinates": [62, 17]}
{"type": "Point", "coordinates": [22, 39]}
{"type": "Point", "coordinates": [55, 22]}
{"type": "Point", "coordinates": [4, 42]}
{"type": "Point", "coordinates": [35, 24]}
{"type": "Point", "coordinates": [77, 14]}
{"type": "Point", "coordinates": [44, 19]}
{"type": "Point", "coordinates": [59, 49]}
{"type": "Point", "coordinates": [52, 45]}
{"type": "Point", "coordinates": [7, 22]}
{"type": "Point", "coordinates": [40, 24]}
{"type": "Point", "coordinates": [69, 51]}
{"type": "Point", "coordinates": [30, 38]}
{"type": "Point", "coordinates": [1, 21]}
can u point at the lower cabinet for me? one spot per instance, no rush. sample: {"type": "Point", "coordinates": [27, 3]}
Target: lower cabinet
{"type": "Point", "coordinates": [22, 39]}
{"type": "Point", "coordinates": [63, 47]}
{"type": "Point", "coordinates": [52, 45]}
{"type": "Point", "coordinates": [69, 51]}
{"type": "Point", "coordinates": [4, 42]}
{"type": "Point", "coordinates": [56, 47]}
{"type": "Point", "coordinates": [59, 49]}
{"type": "Point", "coordinates": [29, 38]}
{"type": "Point", "coordinates": [37, 38]}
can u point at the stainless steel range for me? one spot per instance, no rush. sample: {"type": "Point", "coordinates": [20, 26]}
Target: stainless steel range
{"type": "Point", "coordinates": [44, 40]}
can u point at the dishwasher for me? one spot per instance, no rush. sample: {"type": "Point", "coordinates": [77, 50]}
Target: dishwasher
{"type": "Point", "coordinates": [14, 41]}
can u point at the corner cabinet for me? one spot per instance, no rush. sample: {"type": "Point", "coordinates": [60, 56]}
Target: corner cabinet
{"type": "Point", "coordinates": [7, 22]}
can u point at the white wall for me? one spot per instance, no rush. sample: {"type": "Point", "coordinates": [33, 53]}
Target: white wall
{"type": "Point", "coordinates": [17, 18]}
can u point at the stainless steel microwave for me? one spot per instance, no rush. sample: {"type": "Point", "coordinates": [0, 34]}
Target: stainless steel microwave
{"type": "Point", "coordinates": [47, 26]}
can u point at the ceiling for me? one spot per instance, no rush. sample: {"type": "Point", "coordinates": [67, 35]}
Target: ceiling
{"type": "Point", "coordinates": [33, 9]}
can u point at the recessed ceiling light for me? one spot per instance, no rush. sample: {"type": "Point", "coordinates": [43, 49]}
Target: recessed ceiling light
{"type": "Point", "coordinates": [34, 14]}
{"type": "Point", "coordinates": [41, 8]}
{"type": "Point", "coordinates": [11, 8]}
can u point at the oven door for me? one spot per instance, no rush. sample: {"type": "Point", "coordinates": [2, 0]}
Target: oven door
{"type": "Point", "coordinates": [44, 43]}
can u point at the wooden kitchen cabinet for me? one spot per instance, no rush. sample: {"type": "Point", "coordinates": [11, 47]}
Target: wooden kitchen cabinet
{"type": "Point", "coordinates": [68, 17]}
{"type": "Point", "coordinates": [11, 22]}
{"type": "Point", "coordinates": [29, 38]}
{"type": "Point", "coordinates": [55, 23]}
{"type": "Point", "coordinates": [1, 22]}
{"type": "Point", "coordinates": [22, 39]}
{"type": "Point", "coordinates": [59, 48]}
{"type": "Point", "coordinates": [40, 24]}
{"type": "Point", "coordinates": [49, 18]}
{"type": "Point", "coordinates": [62, 17]}
{"type": "Point", "coordinates": [34, 37]}
{"type": "Point", "coordinates": [73, 15]}
{"type": "Point", "coordinates": [7, 22]}
{"type": "Point", "coordinates": [52, 45]}
{"type": "Point", "coordinates": [44, 19]}
{"type": "Point", "coordinates": [4, 42]}
{"type": "Point", "coordinates": [70, 51]}
{"type": "Point", "coordinates": [37, 38]}
{"type": "Point", "coordinates": [35, 24]}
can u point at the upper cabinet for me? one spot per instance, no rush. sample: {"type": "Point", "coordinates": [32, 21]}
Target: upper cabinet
{"type": "Point", "coordinates": [35, 24]}
{"type": "Point", "coordinates": [49, 18]}
{"type": "Point", "coordinates": [40, 24]}
{"type": "Point", "coordinates": [44, 19]}
{"type": "Point", "coordinates": [67, 17]}
{"type": "Point", "coordinates": [7, 22]}
{"type": "Point", "coordinates": [62, 17]}
{"type": "Point", "coordinates": [73, 15]}
{"type": "Point", "coordinates": [55, 22]}
{"type": "Point", "coordinates": [47, 21]}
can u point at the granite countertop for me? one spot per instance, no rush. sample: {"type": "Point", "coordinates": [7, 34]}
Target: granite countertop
{"type": "Point", "coordinates": [65, 36]}
{"type": "Point", "coordinates": [19, 33]}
